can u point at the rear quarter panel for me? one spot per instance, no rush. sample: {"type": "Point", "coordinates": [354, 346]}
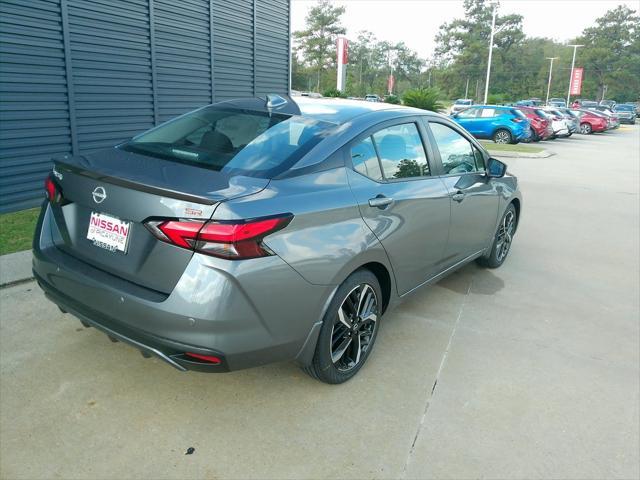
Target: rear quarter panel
{"type": "Point", "coordinates": [327, 238]}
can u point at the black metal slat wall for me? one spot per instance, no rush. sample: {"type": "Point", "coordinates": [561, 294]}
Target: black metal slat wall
{"type": "Point", "coordinates": [80, 75]}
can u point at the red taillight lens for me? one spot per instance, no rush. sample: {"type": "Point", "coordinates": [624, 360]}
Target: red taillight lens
{"type": "Point", "coordinates": [205, 358]}
{"type": "Point", "coordinates": [181, 233]}
{"type": "Point", "coordinates": [50, 189]}
{"type": "Point", "coordinates": [232, 240]}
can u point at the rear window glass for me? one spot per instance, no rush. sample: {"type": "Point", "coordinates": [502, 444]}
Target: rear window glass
{"type": "Point", "coordinates": [233, 141]}
{"type": "Point", "coordinates": [518, 113]}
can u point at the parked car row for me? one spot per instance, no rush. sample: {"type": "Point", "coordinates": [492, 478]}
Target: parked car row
{"type": "Point", "coordinates": [528, 121]}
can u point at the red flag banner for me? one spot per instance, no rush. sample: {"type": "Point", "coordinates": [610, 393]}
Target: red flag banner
{"type": "Point", "coordinates": [390, 83]}
{"type": "Point", "coordinates": [576, 81]}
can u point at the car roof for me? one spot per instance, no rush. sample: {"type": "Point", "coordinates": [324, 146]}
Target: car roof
{"type": "Point", "coordinates": [339, 111]}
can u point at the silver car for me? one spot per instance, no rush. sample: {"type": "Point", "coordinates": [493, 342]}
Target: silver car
{"type": "Point", "coordinates": [262, 230]}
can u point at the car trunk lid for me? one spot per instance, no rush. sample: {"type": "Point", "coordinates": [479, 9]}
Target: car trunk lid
{"type": "Point", "coordinates": [128, 189]}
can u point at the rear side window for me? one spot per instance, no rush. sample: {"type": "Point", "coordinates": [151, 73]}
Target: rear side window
{"type": "Point", "coordinates": [401, 151]}
{"type": "Point", "coordinates": [365, 159]}
{"type": "Point", "coordinates": [391, 153]}
{"type": "Point", "coordinates": [233, 141]}
{"type": "Point", "coordinates": [487, 112]}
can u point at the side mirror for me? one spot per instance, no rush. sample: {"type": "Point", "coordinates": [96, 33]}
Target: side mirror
{"type": "Point", "coordinates": [496, 169]}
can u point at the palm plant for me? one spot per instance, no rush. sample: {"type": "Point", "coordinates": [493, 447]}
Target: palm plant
{"type": "Point", "coordinates": [424, 98]}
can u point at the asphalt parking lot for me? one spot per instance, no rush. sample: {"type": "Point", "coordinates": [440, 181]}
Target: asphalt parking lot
{"type": "Point", "coordinates": [528, 371]}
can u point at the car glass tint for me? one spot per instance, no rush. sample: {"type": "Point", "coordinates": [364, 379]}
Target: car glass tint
{"type": "Point", "coordinates": [401, 152]}
{"type": "Point", "coordinates": [365, 160]}
{"type": "Point", "coordinates": [487, 112]}
{"type": "Point", "coordinates": [468, 113]}
{"type": "Point", "coordinates": [233, 141]}
{"type": "Point", "coordinates": [456, 152]}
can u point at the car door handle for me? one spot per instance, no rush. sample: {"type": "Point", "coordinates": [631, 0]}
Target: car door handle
{"type": "Point", "coordinates": [380, 201]}
{"type": "Point", "coordinates": [458, 196]}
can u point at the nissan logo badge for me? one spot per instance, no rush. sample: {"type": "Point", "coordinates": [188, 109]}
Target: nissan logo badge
{"type": "Point", "coordinates": [99, 195]}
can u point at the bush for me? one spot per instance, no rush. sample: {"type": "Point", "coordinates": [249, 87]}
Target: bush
{"type": "Point", "coordinates": [497, 98]}
{"type": "Point", "coordinates": [335, 93]}
{"type": "Point", "coordinates": [424, 98]}
{"type": "Point", "coordinates": [393, 99]}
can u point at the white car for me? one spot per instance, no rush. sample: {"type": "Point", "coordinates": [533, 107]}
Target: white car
{"type": "Point", "coordinates": [560, 125]}
{"type": "Point", "coordinates": [461, 104]}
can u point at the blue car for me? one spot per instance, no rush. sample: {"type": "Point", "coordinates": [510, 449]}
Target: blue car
{"type": "Point", "coordinates": [501, 124]}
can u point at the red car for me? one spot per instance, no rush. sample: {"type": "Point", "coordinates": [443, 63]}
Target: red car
{"type": "Point", "coordinates": [540, 125]}
{"type": "Point", "coordinates": [591, 122]}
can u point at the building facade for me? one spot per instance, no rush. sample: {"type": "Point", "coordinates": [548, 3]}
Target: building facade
{"type": "Point", "coordinates": [81, 75]}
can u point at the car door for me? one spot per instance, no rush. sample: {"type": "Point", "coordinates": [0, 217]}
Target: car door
{"type": "Point", "coordinates": [405, 206]}
{"type": "Point", "coordinates": [488, 122]}
{"type": "Point", "coordinates": [474, 195]}
{"type": "Point", "coordinates": [469, 119]}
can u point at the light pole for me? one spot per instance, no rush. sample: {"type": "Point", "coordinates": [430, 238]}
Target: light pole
{"type": "Point", "coordinates": [466, 90]}
{"type": "Point", "coordinates": [550, 72]}
{"type": "Point", "coordinates": [493, 27]}
{"type": "Point", "coordinates": [573, 63]}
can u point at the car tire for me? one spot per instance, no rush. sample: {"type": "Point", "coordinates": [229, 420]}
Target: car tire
{"type": "Point", "coordinates": [502, 136]}
{"type": "Point", "coordinates": [534, 136]}
{"type": "Point", "coordinates": [333, 362]}
{"type": "Point", "coordinates": [585, 128]}
{"type": "Point", "coordinates": [499, 249]}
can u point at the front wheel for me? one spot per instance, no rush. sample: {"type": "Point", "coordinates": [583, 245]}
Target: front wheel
{"type": "Point", "coordinates": [349, 329]}
{"type": "Point", "coordinates": [502, 136]}
{"type": "Point", "coordinates": [502, 240]}
{"type": "Point", "coordinates": [585, 129]}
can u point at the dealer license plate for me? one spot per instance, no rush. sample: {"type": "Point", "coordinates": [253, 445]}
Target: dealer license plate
{"type": "Point", "coordinates": [109, 232]}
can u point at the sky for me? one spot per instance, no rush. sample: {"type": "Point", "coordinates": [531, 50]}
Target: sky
{"type": "Point", "coordinates": [416, 22]}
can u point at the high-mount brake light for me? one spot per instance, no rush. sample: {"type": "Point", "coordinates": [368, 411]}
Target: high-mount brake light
{"type": "Point", "coordinates": [234, 240]}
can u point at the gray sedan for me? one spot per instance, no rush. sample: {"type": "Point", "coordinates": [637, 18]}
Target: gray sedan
{"type": "Point", "coordinates": [261, 230]}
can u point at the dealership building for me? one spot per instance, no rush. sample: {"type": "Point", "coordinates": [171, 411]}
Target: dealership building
{"type": "Point", "coordinates": [81, 75]}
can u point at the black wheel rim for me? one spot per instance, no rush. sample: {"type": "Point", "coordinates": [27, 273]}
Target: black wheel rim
{"type": "Point", "coordinates": [354, 327]}
{"type": "Point", "coordinates": [505, 235]}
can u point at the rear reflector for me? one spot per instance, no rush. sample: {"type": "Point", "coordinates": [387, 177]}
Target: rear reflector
{"type": "Point", "coordinates": [50, 189]}
{"type": "Point", "coordinates": [232, 240]}
{"type": "Point", "coordinates": [204, 358]}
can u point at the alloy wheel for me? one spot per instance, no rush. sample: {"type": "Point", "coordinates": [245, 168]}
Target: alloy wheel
{"type": "Point", "coordinates": [502, 137]}
{"type": "Point", "coordinates": [585, 129]}
{"type": "Point", "coordinates": [505, 235]}
{"type": "Point", "coordinates": [354, 327]}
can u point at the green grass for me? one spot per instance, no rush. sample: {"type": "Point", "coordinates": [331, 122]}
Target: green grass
{"type": "Point", "coordinates": [16, 230]}
{"type": "Point", "coordinates": [499, 147]}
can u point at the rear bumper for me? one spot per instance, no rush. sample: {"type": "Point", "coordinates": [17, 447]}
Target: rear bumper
{"type": "Point", "coordinates": [245, 313]}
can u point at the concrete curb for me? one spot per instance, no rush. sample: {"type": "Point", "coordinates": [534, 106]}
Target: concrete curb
{"type": "Point", "coordinates": [506, 154]}
{"type": "Point", "coordinates": [15, 268]}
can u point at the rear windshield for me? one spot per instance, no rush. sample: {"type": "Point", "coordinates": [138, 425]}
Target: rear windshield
{"type": "Point", "coordinates": [236, 142]}
{"type": "Point", "coordinates": [518, 113]}
{"type": "Point", "coordinates": [626, 108]}
{"type": "Point", "coordinates": [463, 102]}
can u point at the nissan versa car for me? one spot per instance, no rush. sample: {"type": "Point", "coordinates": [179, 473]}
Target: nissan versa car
{"type": "Point", "coordinates": [261, 230]}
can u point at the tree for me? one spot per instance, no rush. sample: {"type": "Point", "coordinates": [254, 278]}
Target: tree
{"type": "Point", "coordinates": [611, 55]}
{"type": "Point", "coordinates": [462, 46]}
{"type": "Point", "coordinates": [317, 42]}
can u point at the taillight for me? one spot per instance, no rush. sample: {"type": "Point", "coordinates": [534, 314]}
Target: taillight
{"type": "Point", "coordinates": [517, 119]}
{"type": "Point", "coordinates": [233, 240]}
{"type": "Point", "coordinates": [50, 189]}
